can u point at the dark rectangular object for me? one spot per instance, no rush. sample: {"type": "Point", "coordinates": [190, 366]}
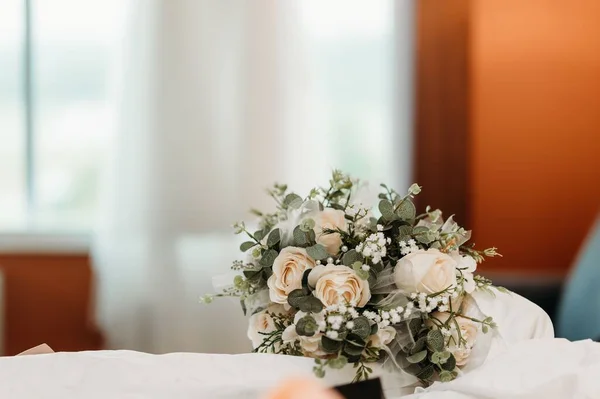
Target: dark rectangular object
{"type": "Point", "coordinates": [370, 389]}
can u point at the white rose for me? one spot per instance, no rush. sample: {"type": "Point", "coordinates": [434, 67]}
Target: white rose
{"type": "Point", "coordinates": [383, 336]}
{"type": "Point", "coordinates": [332, 219]}
{"type": "Point", "coordinates": [261, 322]}
{"type": "Point", "coordinates": [429, 271]}
{"type": "Point", "coordinates": [288, 268]}
{"type": "Point", "coordinates": [468, 331]}
{"type": "Point", "coordinates": [339, 285]}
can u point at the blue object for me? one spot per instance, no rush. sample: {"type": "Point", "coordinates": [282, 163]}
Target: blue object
{"type": "Point", "coordinates": [579, 311]}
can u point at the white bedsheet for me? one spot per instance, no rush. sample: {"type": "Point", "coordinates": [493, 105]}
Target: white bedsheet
{"type": "Point", "coordinates": [549, 369]}
{"type": "Point", "coordinates": [525, 362]}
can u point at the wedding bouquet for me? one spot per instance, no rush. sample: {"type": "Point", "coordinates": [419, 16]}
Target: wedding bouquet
{"type": "Point", "coordinates": [327, 277]}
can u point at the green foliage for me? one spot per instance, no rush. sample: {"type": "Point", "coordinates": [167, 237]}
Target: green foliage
{"type": "Point", "coordinates": [317, 252]}
{"type": "Point", "coordinates": [362, 327]}
{"type": "Point", "coordinates": [350, 257]}
{"type": "Point", "coordinates": [406, 210]}
{"type": "Point", "coordinates": [303, 238]}
{"type": "Point", "coordinates": [440, 358]}
{"type": "Point", "coordinates": [435, 340]}
{"type": "Point", "coordinates": [303, 300]}
{"type": "Point", "coordinates": [293, 201]}
{"type": "Point", "coordinates": [387, 210]}
{"type": "Point", "coordinates": [307, 225]}
{"type": "Point", "coordinates": [274, 238]}
{"type": "Point", "coordinates": [450, 363]}
{"type": "Point", "coordinates": [338, 363]}
{"type": "Point", "coordinates": [310, 304]}
{"type": "Point", "coordinates": [268, 258]}
{"type": "Point", "coordinates": [295, 298]}
{"type": "Point", "coordinates": [417, 357]}
{"type": "Point", "coordinates": [374, 328]}
{"type": "Point", "coordinates": [330, 345]}
{"type": "Point", "coordinates": [354, 345]}
{"type": "Point", "coordinates": [419, 345]}
{"type": "Point", "coordinates": [447, 376]}
{"type": "Point", "coordinates": [247, 245]}
{"type": "Point", "coordinates": [307, 326]}
{"type": "Point", "coordinates": [259, 234]}
{"type": "Point", "coordinates": [425, 373]}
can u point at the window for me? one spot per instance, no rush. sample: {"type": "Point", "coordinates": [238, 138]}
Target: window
{"type": "Point", "coordinates": [56, 111]}
{"type": "Point", "coordinates": [351, 46]}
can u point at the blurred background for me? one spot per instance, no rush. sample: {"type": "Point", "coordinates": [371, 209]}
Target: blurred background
{"type": "Point", "coordinates": [134, 133]}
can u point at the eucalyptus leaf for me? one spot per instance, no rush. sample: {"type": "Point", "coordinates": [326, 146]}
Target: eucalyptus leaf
{"type": "Point", "coordinates": [330, 345]}
{"type": "Point", "coordinates": [259, 234]}
{"type": "Point", "coordinates": [350, 257]}
{"type": "Point", "coordinates": [417, 357]}
{"type": "Point", "coordinates": [362, 327]}
{"type": "Point", "coordinates": [420, 230]}
{"type": "Point", "coordinates": [435, 340]}
{"type": "Point", "coordinates": [406, 210]}
{"type": "Point", "coordinates": [387, 210]}
{"type": "Point", "coordinates": [247, 245]}
{"type": "Point", "coordinates": [300, 237]}
{"type": "Point", "coordinates": [440, 358]}
{"type": "Point", "coordinates": [374, 328]}
{"type": "Point", "coordinates": [310, 304]}
{"type": "Point", "coordinates": [274, 238]}
{"type": "Point", "coordinates": [307, 225]}
{"type": "Point", "coordinates": [362, 274]}
{"type": "Point", "coordinates": [338, 363]}
{"type": "Point", "coordinates": [419, 345]}
{"type": "Point", "coordinates": [405, 231]}
{"type": "Point", "coordinates": [250, 274]}
{"type": "Point", "coordinates": [354, 345]}
{"type": "Point", "coordinates": [295, 298]}
{"type": "Point", "coordinates": [293, 201]}
{"type": "Point", "coordinates": [317, 252]}
{"type": "Point", "coordinates": [425, 373]}
{"type": "Point", "coordinates": [450, 363]}
{"type": "Point", "coordinates": [267, 272]}
{"type": "Point", "coordinates": [268, 257]}
{"type": "Point", "coordinates": [306, 326]}
{"type": "Point", "coordinates": [447, 376]}
{"type": "Point", "coordinates": [305, 285]}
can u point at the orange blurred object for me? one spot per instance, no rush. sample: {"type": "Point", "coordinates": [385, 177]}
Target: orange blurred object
{"type": "Point", "coordinates": [302, 388]}
{"type": "Point", "coordinates": [535, 169]}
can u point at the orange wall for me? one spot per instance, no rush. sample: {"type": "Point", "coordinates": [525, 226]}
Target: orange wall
{"type": "Point", "coordinates": [47, 299]}
{"type": "Point", "coordinates": [535, 173]}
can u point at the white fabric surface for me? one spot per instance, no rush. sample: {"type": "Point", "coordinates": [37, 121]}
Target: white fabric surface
{"type": "Point", "coordinates": [550, 369]}
{"type": "Point", "coordinates": [523, 359]}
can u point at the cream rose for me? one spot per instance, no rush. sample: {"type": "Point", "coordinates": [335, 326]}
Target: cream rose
{"type": "Point", "coordinates": [339, 285]}
{"type": "Point", "coordinates": [288, 268]}
{"type": "Point", "coordinates": [383, 336]}
{"type": "Point", "coordinates": [429, 271]}
{"type": "Point", "coordinates": [262, 322]}
{"type": "Point", "coordinates": [333, 219]}
{"type": "Point", "coordinates": [468, 331]}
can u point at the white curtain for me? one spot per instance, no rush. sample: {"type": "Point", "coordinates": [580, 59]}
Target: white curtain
{"type": "Point", "coordinates": [216, 104]}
